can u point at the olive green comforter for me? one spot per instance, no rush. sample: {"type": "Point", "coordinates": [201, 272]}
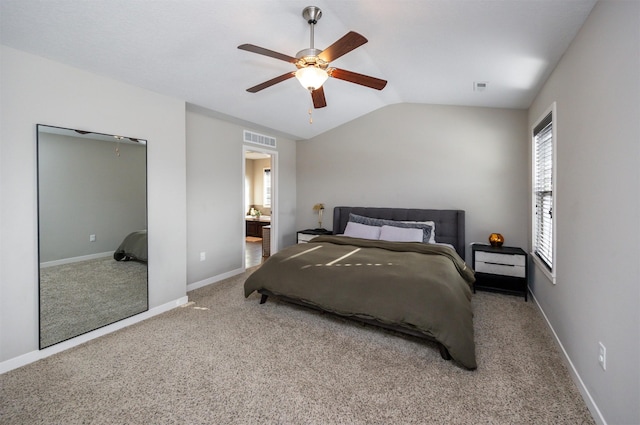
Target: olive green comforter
{"type": "Point", "coordinates": [419, 286]}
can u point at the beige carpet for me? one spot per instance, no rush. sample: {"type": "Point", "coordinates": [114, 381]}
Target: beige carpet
{"type": "Point", "coordinates": [79, 297]}
{"type": "Point", "coordinates": [253, 239]}
{"type": "Point", "coordinates": [228, 360]}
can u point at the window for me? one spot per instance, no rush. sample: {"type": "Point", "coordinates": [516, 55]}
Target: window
{"type": "Point", "coordinates": [266, 201]}
{"type": "Point", "coordinates": [543, 191]}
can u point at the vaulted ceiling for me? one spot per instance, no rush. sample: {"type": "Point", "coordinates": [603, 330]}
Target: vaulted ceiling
{"type": "Point", "coordinates": [429, 51]}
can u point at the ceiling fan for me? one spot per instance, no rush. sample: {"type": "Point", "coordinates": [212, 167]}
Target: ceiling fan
{"type": "Point", "coordinates": [313, 64]}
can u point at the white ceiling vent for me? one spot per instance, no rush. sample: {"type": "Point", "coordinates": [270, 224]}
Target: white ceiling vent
{"type": "Point", "coordinates": [259, 139]}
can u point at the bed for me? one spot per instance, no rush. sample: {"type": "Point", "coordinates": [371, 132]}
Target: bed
{"type": "Point", "coordinates": [403, 284]}
{"type": "Point", "coordinates": [133, 247]}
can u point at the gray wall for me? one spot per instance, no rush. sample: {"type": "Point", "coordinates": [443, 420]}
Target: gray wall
{"type": "Point", "coordinates": [596, 298]}
{"type": "Point", "coordinates": [84, 189]}
{"type": "Point", "coordinates": [423, 156]}
{"type": "Point", "coordinates": [215, 180]}
{"type": "Point", "coordinates": [37, 90]}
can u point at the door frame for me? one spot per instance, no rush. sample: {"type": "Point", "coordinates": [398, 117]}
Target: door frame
{"type": "Point", "coordinates": [274, 197]}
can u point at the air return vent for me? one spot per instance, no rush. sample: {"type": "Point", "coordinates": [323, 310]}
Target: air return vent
{"type": "Point", "coordinates": [259, 139]}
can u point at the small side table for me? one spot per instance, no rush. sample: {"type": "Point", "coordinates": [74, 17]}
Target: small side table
{"type": "Point", "coordinates": [501, 269]}
{"type": "Point", "coordinates": [266, 241]}
{"type": "Point", "coordinates": [305, 236]}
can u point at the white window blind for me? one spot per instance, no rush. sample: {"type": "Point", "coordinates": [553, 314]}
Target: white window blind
{"type": "Point", "coordinates": [266, 202]}
{"type": "Point", "coordinates": [543, 191]}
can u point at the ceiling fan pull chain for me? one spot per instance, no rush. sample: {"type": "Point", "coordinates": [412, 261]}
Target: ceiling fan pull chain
{"type": "Point", "coordinates": [310, 111]}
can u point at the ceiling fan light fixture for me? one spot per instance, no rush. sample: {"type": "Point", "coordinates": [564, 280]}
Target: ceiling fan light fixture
{"type": "Point", "coordinates": [311, 77]}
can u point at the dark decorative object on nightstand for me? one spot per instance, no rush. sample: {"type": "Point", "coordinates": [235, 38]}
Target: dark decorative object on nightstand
{"type": "Point", "coordinates": [500, 269]}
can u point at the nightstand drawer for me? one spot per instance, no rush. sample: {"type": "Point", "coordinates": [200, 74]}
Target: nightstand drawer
{"type": "Point", "coordinates": [506, 259]}
{"type": "Point", "coordinates": [501, 269]}
{"type": "Point", "coordinates": [304, 238]}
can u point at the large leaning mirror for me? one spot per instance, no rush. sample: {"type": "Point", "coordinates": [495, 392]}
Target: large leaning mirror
{"type": "Point", "coordinates": [92, 231]}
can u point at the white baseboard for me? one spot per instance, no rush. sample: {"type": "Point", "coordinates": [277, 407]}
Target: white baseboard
{"type": "Point", "coordinates": [33, 356]}
{"type": "Point", "coordinates": [214, 279]}
{"type": "Point", "coordinates": [76, 259]}
{"type": "Point", "coordinates": [591, 404]}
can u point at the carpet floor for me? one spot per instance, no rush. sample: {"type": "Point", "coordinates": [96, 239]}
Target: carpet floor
{"type": "Point", "coordinates": [79, 297]}
{"type": "Point", "coordinates": [224, 359]}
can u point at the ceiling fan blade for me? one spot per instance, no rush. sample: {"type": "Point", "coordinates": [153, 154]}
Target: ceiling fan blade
{"type": "Point", "coordinates": [271, 82]}
{"type": "Point", "coordinates": [318, 98]}
{"type": "Point", "coordinates": [347, 43]}
{"type": "Point", "coordinates": [353, 77]}
{"type": "Point", "coordinates": [266, 52]}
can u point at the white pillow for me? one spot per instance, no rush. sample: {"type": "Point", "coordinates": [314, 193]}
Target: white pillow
{"type": "Point", "coordinates": [357, 230]}
{"type": "Point", "coordinates": [400, 234]}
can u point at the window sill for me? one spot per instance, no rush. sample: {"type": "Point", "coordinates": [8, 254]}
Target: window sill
{"type": "Point", "coordinates": [543, 268]}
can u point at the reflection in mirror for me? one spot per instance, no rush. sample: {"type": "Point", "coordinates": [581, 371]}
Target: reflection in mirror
{"type": "Point", "coordinates": [92, 230]}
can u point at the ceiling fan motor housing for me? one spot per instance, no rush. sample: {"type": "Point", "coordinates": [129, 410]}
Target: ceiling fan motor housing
{"type": "Point", "coordinates": [309, 57]}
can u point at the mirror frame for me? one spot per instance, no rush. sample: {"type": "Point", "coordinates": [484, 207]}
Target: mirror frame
{"type": "Point", "coordinates": [96, 136]}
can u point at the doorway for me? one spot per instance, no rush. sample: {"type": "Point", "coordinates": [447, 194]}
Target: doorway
{"type": "Point", "coordinates": [259, 204]}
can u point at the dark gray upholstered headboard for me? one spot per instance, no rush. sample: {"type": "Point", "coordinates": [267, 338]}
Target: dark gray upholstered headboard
{"type": "Point", "coordinates": [449, 223]}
